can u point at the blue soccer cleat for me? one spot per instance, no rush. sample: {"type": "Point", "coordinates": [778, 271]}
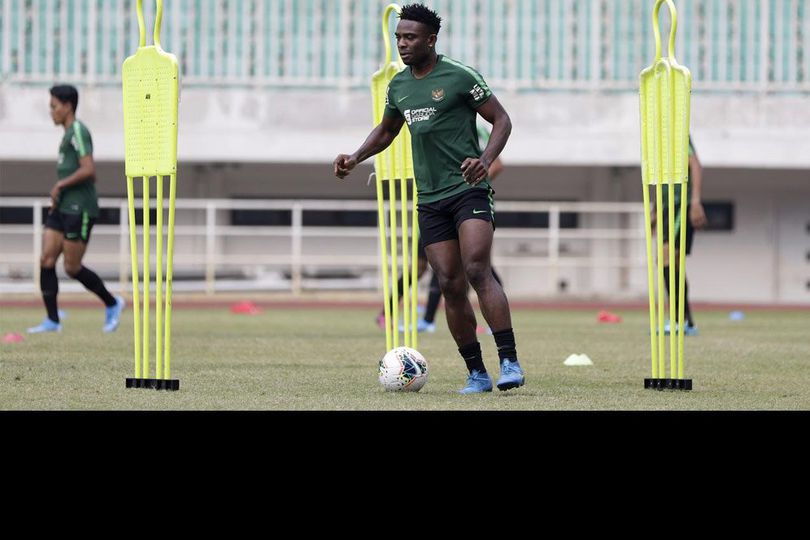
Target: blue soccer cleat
{"type": "Point", "coordinates": [112, 314]}
{"type": "Point", "coordinates": [511, 375]}
{"type": "Point", "coordinates": [423, 326]}
{"type": "Point", "coordinates": [47, 325]}
{"type": "Point", "coordinates": [688, 330]}
{"type": "Point", "coordinates": [477, 383]}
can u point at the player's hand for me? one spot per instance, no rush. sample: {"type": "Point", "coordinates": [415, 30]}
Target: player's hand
{"type": "Point", "coordinates": [697, 215]}
{"type": "Point", "coordinates": [474, 170]}
{"type": "Point", "coordinates": [343, 165]}
{"type": "Point", "coordinates": [55, 191]}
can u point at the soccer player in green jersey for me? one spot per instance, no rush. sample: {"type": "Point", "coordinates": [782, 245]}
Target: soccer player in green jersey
{"type": "Point", "coordinates": [439, 99]}
{"type": "Point", "coordinates": [74, 209]}
{"type": "Point", "coordinates": [696, 219]}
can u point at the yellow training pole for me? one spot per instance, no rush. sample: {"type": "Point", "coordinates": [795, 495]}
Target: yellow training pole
{"type": "Point", "coordinates": [136, 297]}
{"type": "Point", "coordinates": [395, 163]}
{"type": "Point", "coordinates": [681, 283]}
{"type": "Point", "coordinates": [673, 353]}
{"type": "Point", "coordinates": [392, 216]}
{"type": "Point", "coordinates": [650, 278]}
{"type": "Point", "coordinates": [406, 269]}
{"type": "Point", "coordinates": [167, 356]}
{"type": "Point", "coordinates": [384, 264]}
{"type": "Point", "coordinates": [664, 90]}
{"type": "Point", "coordinates": [147, 276]}
{"type": "Point", "coordinates": [150, 82]}
{"type": "Point", "coordinates": [414, 259]}
{"type": "Point", "coordinates": [159, 280]}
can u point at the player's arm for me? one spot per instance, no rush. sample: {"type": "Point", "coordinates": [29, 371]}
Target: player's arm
{"type": "Point", "coordinates": [476, 170]}
{"type": "Point", "coordinates": [85, 173]}
{"type": "Point", "coordinates": [378, 140]}
{"type": "Point", "coordinates": [697, 215]}
{"type": "Point", "coordinates": [495, 168]}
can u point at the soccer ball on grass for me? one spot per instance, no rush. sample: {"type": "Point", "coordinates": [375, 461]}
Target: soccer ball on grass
{"type": "Point", "coordinates": [403, 369]}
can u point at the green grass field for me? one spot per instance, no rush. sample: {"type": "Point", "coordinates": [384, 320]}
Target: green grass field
{"type": "Point", "coordinates": [326, 359]}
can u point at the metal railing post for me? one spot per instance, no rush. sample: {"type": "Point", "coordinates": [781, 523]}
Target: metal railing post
{"type": "Point", "coordinates": [210, 246]}
{"type": "Point", "coordinates": [297, 243]}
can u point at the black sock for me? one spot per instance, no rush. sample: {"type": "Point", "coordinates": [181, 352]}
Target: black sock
{"type": "Point", "coordinates": [400, 291]}
{"type": "Point", "coordinates": [472, 357]}
{"type": "Point", "coordinates": [687, 312]}
{"type": "Point", "coordinates": [93, 283]}
{"type": "Point", "coordinates": [434, 298]}
{"type": "Point", "coordinates": [49, 285]}
{"type": "Point", "coordinates": [505, 341]}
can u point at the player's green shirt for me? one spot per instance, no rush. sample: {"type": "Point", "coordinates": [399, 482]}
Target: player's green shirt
{"type": "Point", "coordinates": [80, 198]}
{"type": "Point", "coordinates": [665, 191]}
{"type": "Point", "coordinates": [440, 110]}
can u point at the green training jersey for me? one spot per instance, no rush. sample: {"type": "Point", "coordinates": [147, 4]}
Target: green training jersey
{"type": "Point", "coordinates": [80, 198]}
{"type": "Point", "coordinates": [440, 110]}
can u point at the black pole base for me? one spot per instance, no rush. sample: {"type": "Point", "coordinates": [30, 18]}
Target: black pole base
{"type": "Point", "coordinates": [155, 384]}
{"type": "Point", "coordinates": [668, 384]}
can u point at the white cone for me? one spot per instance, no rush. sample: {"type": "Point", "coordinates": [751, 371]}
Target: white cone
{"type": "Point", "coordinates": [578, 360]}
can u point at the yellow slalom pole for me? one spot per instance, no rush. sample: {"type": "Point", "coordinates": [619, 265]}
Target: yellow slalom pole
{"type": "Point", "coordinates": [392, 211]}
{"type": "Point", "coordinates": [650, 278]}
{"type": "Point", "coordinates": [159, 280]}
{"type": "Point", "coordinates": [384, 263]}
{"type": "Point", "coordinates": [659, 242]}
{"type": "Point", "coordinates": [147, 276]}
{"type": "Point", "coordinates": [673, 353]}
{"type": "Point", "coordinates": [406, 270]}
{"type": "Point", "coordinates": [167, 355]}
{"type": "Point", "coordinates": [664, 90]}
{"type": "Point", "coordinates": [414, 261]}
{"type": "Point", "coordinates": [681, 283]}
{"type": "Point", "coordinates": [150, 84]}
{"type": "Point", "coordinates": [136, 297]}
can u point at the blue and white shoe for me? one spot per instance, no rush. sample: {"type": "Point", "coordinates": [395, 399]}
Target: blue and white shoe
{"type": "Point", "coordinates": [112, 314]}
{"type": "Point", "coordinates": [688, 330]}
{"type": "Point", "coordinates": [421, 326]}
{"type": "Point", "coordinates": [477, 383]}
{"type": "Point", "coordinates": [511, 375]}
{"type": "Point", "coordinates": [47, 325]}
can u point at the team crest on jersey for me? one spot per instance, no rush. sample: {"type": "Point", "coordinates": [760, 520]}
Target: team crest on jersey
{"type": "Point", "coordinates": [437, 94]}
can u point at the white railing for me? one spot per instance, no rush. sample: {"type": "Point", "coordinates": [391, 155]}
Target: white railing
{"type": "Point", "coordinates": [730, 45]}
{"type": "Point", "coordinates": [206, 246]}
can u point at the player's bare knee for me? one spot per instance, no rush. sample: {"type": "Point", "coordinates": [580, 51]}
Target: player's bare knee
{"type": "Point", "coordinates": [47, 261]}
{"type": "Point", "coordinates": [72, 269]}
{"type": "Point", "coordinates": [478, 274]}
{"type": "Point", "coordinates": [452, 287]}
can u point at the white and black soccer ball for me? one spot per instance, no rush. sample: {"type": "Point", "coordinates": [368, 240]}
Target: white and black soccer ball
{"type": "Point", "coordinates": [403, 370]}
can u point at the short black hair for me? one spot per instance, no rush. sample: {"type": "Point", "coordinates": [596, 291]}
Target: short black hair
{"type": "Point", "coordinates": [423, 14]}
{"type": "Point", "coordinates": [66, 94]}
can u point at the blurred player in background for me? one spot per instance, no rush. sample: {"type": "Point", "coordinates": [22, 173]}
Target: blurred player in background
{"type": "Point", "coordinates": [696, 219]}
{"type": "Point", "coordinates": [73, 211]}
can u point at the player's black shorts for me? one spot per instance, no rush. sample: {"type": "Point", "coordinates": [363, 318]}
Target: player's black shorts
{"type": "Point", "coordinates": [690, 231]}
{"type": "Point", "coordinates": [440, 220]}
{"type": "Point", "coordinates": [73, 226]}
